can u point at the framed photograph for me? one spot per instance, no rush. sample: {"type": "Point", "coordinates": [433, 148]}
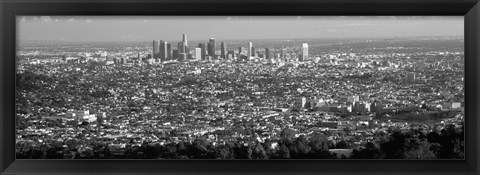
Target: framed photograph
{"type": "Point", "coordinates": [239, 87]}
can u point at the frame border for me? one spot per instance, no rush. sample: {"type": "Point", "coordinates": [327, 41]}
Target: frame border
{"type": "Point", "coordinates": [470, 9]}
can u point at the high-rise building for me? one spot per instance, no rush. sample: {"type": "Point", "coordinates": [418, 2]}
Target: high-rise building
{"type": "Point", "coordinates": [283, 53]}
{"type": "Point", "coordinates": [169, 51]}
{"type": "Point", "coordinates": [204, 50]}
{"type": "Point", "coordinates": [163, 51]}
{"type": "Point", "coordinates": [198, 53]}
{"type": "Point", "coordinates": [184, 40]}
{"type": "Point", "coordinates": [174, 54]}
{"type": "Point", "coordinates": [223, 48]}
{"type": "Point", "coordinates": [249, 50]}
{"type": "Point", "coordinates": [181, 47]}
{"type": "Point", "coordinates": [239, 51]}
{"type": "Point", "coordinates": [253, 52]}
{"type": "Point", "coordinates": [139, 58]}
{"type": "Point", "coordinates": [155, 52]}
{"type": "Point", "coordinates": [267, 53]}
{"type": "Point", "coordinates": [230, 54]}
{"type": "Point", "coordinates": [182, 57]}
{"type": "Point", "coordinates": [211, 48]}
{"type": "Point", "coordinates": [304, 52]}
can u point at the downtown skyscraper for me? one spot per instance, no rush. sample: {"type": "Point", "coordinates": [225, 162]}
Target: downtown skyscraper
{"type": "Point", "coordinates": [211, 48]}
{"type": "Point", "coordinates": [249, 50]}
{"type": "Point", "coordinates": [163, 51]}
{"type": "Point", "coordinates": [223, 50]}
{"type": "Point", "coordinates": [155, 51]}
{"type": "Point", "coordinates": [204, 50]}
{"type": "Point", "coordinates": [304, 52]}
{"type": "Point", "coordinates": [267, 53]}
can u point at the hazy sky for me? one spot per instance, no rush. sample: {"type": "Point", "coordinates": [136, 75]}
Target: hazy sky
{"type": "Point", "coordinates": [170, 28]}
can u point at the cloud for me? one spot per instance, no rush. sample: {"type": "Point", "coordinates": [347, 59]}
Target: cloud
{"type": "Point", "coordinates": [88, 21]}
{"type": "Point", "coordinates": [71, 20]}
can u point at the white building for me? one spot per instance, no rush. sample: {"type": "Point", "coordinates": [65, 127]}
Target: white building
{"type": "Point", "coordinates": [304, 51]}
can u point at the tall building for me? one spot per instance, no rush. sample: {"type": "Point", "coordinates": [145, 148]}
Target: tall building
{"type": "Point", "coordinates": [155, 52]}
{"type": "Point", "coordinates": [181, 47]}
{"type": "Point", "coordinates": [169, 51]}
{"type": "Point", "coordinates": [198, 53]}
{"type": "Point", "coordinates": [163, 51]}
{"type": "Point", "coordinates": [230, 54]}
{"type": "Point", "coordinates": [139, 58]}
{"type": "Point", "coordinates": [249, 50]}
{"type": "Point", "coordinates": [182, 57]}
{"type": "Point", "coordinates": [239, 51]}
{"type": "Point", "coordinates": [267, 53]}
{"type": "Point", "coordinates": [204, 50]}
{"type": "Point", "coordinates": [211, 47]}
{"type": "Point", "coordinates": [223, 48]}
{"type": "Point", "coordinates": [174, 54]}
{"type": "Point", "coordinates": [253, 52]}
{"type": "Point", "coordinates": [283, 53]}
{"type": "Point", "coordinates": [184, 40]}
{"type": "Point", "coordinates": [304, 51]}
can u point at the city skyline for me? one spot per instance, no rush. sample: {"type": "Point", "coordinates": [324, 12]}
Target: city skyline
{"type": "Point", "coordinates": [97, 29]}
{"type": "Point", "coordinates": [367, 92]}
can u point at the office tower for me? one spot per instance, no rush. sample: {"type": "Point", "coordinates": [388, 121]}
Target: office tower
{"type": "Point", "coordinates": [174, 54]}
{"type": "Point", "coordinates": [198, 53]}
{"type": "Point", "coordinates": [181, 47]}
{"type": "Point", "coordinates": [239, 51]}
{"type": "Point", "coordinates": [283, 52]}
{"type": "Point", "coordinates": [169, 51]}
{"type": "Point", "coordinates": [230, 54]}
{"type": "Point", "coordinates": [223, 50]}
{"type": "Point", "coordinates": [139, 58]}
{"type": "Point", "coordinates": [204, 50]}
{"type": "Point", "coordinates": [155, 52]}
{"type": "Point", "coordinates": [249, 50]}
{"type": "Point", "coordinates": [160, 50]}
{"type": "Point", "coordinates": [304, 51]}
{"type": "Point", "coordinates": [182, 57]}
{"type": "Point", "coordinates": [163, 50]}
{"type": "Point", "coordinates": [184, 40]}
{"type": "Point", "coordinates": [267, 53]}
{"type": "Point", "coordinates": [253, 52]}
{"type": "Point", "coordinates": [212, 47]}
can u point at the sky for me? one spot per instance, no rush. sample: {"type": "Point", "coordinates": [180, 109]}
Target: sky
{"type": "Point", "coordinates": [171, 28]}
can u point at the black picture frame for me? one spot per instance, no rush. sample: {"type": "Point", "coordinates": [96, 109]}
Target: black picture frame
{"type": "Point", "coordinates": [470, 9]}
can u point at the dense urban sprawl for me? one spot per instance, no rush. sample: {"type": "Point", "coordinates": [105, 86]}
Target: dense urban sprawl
{"type": "Point", "coordinates": [392, 98]}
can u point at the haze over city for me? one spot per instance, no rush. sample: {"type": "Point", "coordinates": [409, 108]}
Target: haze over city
{"type": "Point", "coordinates": [240, 88]}
{"type": "Point", "coordinates": [146, 28]}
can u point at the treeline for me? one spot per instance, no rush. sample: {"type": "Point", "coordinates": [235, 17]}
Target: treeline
{"type": "Point", "coordinates": [449, 144]}
{"type": "Point", "coordinates": [286, 148]}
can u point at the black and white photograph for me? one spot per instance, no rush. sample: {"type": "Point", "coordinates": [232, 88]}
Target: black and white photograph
{"type": "Point", "coordinates": [240, 87]}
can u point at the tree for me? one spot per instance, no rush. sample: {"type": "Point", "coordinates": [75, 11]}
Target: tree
{"type": "Point", "coordinates": [371, 151]}
{"type": "Point", "coordinates": [259, 152]}
{"type": "Point", "coordinates": [283, 152]}
{"type": "Point", "coordinates": [343, 145]}
{"type": "Point", "coordinates": [319, 142]}
{"type": "Point", "coordinates": [418, 149]}
{"type": "Point", "coordinates": [287, 133]}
